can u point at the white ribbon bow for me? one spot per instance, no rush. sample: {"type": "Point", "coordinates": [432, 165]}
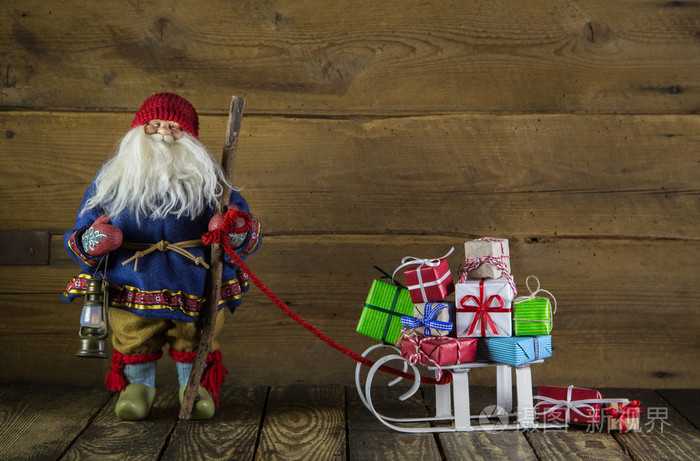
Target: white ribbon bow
{"type": "Point", "coordinates": [575, 405]}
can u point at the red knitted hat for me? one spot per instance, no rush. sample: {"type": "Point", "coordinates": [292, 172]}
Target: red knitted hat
{"type": "Point", "coordinates": [170, 107]}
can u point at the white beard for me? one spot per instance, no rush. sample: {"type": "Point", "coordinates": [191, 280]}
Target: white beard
{"type": "Point", "coordinates": [153, 176]}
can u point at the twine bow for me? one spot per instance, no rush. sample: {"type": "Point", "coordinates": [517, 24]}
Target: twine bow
{"type": "Point", "coordinates": [533, 294]}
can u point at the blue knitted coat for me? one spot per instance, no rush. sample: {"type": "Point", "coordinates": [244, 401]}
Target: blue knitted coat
{"type": "Point", "coordinates": [165, 284]}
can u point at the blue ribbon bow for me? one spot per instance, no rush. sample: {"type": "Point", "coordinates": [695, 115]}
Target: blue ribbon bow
{"type": "Point", "coordinates": [431, 311]}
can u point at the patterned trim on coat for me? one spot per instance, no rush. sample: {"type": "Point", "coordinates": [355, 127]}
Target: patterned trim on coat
{"type": "Point", "coordinates": [135, 298]}
{"type": "Point", "coordinates": [254, 238]}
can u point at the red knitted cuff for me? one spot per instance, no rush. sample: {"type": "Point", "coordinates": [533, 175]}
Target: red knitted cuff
{"type": "Point", "coordinates": [189, 357]}
{"type": "Point", "coordinates": [183, 357]}
{"type": "Point", "coordinates": [116, 380]}
{"type": "Point", "coordinates": [214, 374]}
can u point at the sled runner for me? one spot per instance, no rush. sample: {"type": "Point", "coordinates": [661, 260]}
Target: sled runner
{"type": "Point", "coordinates": [452, 403]}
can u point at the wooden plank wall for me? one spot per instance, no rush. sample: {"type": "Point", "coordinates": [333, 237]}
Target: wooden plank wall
{"type": "Point", "coordinates": [373, 131]}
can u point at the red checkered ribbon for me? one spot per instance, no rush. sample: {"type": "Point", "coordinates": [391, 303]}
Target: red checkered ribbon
{"type": "Point", "coordinates": [498, 262]}
{"type": "Point", "coordinates": [420, 355]}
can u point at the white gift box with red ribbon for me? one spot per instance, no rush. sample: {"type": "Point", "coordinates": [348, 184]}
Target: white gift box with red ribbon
{"type": "Point", "coordinates": [483, 308]}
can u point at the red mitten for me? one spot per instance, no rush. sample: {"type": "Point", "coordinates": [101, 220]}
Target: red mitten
{"type": "Point", "coordinates": [215, 222]}
{"type": "Point", "coordinates": [101, 237]}
{"type": "Point", "coordinates": [238, 236]}
{"type": "Point", "coordinates": [218, 219]}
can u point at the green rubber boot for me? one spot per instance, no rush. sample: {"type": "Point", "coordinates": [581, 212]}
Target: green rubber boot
{"type": "Point", "coordinates": [204, 407]}
{"type": "Point", "coordinates": [135, 402]}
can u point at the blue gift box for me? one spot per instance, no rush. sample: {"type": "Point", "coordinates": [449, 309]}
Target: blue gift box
{"type": "Point", "coordinates": [516, 350]}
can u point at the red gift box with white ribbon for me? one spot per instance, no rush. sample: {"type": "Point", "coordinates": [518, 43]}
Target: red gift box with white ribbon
{"type": "Point", "coordinates": [574, 405]}
{"type": "Point", "coordinates": [430, 279]}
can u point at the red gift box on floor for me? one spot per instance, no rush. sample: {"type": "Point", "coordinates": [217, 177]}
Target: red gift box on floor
{"type": "Point", "coordinates": [437, 350]}
{"type": "Point", "coordinates": [431, 280]}
{"type": "Point", "coordinates": [571, 404]}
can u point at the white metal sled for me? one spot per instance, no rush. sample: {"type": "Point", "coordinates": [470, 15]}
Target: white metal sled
{"type": "Point", "coordinates": [452, 399]}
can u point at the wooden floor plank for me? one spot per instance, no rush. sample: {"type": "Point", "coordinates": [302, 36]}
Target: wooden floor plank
{"type": "Point", "coordinates": [575, 443]}
{"type": "Point", "coordinates": [231, 434]}
{"type": "Point", "coordinates": [39, 422]}
{"type": "Point", "coordinates": [665, 433]}
{"type": "Point", "coordinates": [369, 439]}
{"type": "Point", "coordinates": [109, 438]}
{"type": "Point", "coordinates": [484, 445]}
{"type": "Point", "coordinates": [685, 401]}
{"type": "Point", "coordinates": [304, 422]}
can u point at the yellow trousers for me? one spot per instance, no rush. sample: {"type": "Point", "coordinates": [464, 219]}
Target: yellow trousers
{"type": "Point", "coordinates": [136, 335]}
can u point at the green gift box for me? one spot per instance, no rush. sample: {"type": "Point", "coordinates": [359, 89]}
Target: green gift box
{"type": "Point", "coordinates": [532, 317]}
{"type": "Point", "coordinates": [381, 316]}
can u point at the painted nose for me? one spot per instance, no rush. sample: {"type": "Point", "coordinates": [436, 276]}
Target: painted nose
{"type": "Point", "coordinates": [164, 129]}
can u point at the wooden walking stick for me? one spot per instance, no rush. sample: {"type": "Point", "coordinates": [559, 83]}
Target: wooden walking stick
{"type": "Point", "coordinates": [217, 263]}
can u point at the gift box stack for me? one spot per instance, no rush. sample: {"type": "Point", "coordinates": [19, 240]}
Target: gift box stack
{"type": "Point", "coordinates": [484, 322]}
{"type": "Point", "coordinates": [485, 318]}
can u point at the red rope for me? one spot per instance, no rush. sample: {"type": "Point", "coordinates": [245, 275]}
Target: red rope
{"type": "Point", "coordinates": [220, 235]}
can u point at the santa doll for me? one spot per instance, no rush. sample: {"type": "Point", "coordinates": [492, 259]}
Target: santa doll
{"type": "Point", "coordinates": [141, 222]}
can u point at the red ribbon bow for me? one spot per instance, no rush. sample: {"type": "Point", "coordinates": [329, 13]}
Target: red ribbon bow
{"type": "Point", "coordinates": [482, 309]}
{"type": "Point", "coordinates": [631, 410]}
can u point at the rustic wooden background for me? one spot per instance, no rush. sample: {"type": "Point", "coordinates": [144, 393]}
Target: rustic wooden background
{"type": "Point", "coordinates": [372, 131]}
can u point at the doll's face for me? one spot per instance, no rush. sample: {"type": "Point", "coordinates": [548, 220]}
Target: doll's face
{"type": "Point", "coordinates": [164, 127]}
